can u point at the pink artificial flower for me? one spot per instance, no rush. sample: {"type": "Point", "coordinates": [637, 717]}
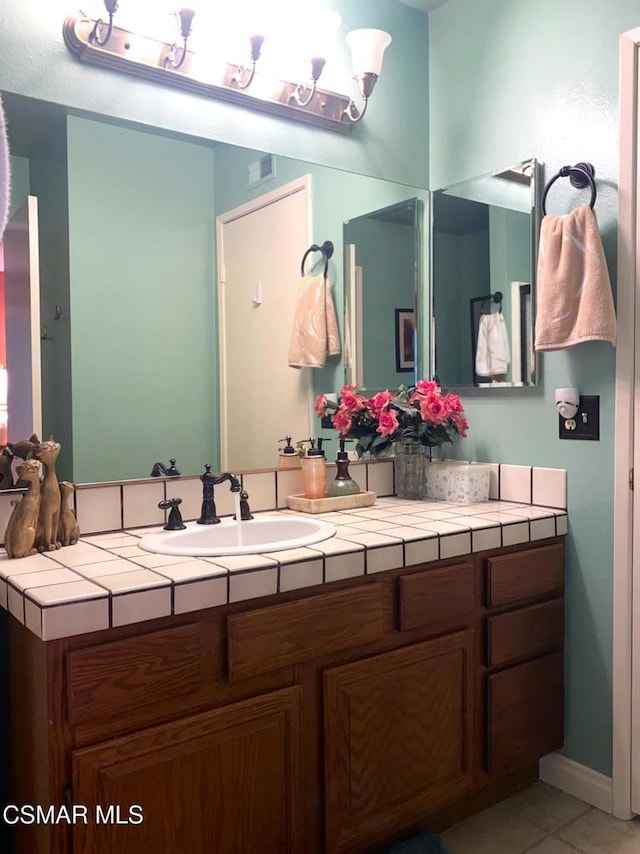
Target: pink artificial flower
{"type": "Point", "coordinates": [379, 402]}
{"type": "Point", "coordinates": [388, 423]}
{"type": "Point", "coordinates": [432, 408]}
{"type": "Point", "coordinates": [453, 403]}
{"type": "Point", "coordinates": [352, 402]}
{"type": "Point", "coordinates": [342, 421]}
{"type": "Point", "coordinates": [320, 405]}
{"type": "Point", "coordinates": [461, 423]}
{"type": "Point", "coordinates": [427, 386]}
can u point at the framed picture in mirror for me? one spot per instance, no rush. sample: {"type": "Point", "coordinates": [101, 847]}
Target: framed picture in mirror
{"type": "Point", "coordinates": [405, 319]}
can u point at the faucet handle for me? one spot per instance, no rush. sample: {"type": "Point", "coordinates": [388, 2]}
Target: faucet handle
{"type": "Point", "coordinates": [245, 510]}
{"type": "Point", "coordinates": [174, 522]}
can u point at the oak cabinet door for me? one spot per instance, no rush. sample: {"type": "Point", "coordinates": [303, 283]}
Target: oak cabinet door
{"type": "Point", "coordinates": [398, 738]}
{"type": "Point", "coordinates": [525, 713]}
{"type": "Point", "coordinates": [226, 781]}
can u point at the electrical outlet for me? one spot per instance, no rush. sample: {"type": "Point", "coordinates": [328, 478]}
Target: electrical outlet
{"type": "Point", "coordinates": [586, 422]}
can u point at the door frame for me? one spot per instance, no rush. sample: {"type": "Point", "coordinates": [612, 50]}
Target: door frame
{"type": "Point", "coordinates": [301, 184]}
{"type": "Point", "coordinates": [626, 535]}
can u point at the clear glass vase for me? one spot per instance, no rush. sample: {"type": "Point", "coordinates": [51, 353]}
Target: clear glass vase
{"type": "Point", "coordinates": [410, 468]}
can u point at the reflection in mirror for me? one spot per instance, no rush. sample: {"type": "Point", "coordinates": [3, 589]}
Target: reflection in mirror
{"type": "Point", "coordinates": [484, 246]}
{"type": "Point", "coordinates": [383, 280]}
{"type": "Point", "coordinates": [129, 281]}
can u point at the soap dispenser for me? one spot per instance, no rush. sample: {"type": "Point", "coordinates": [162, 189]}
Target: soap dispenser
{"type": "Point", "coordinates": [287, 456]}
{"type": "Point", "coordinates": [343, 483]}
{"type": "Point", "coordinates": [314, 471]}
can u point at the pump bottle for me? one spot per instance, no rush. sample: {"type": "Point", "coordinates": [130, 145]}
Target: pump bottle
{"type": "Point", "coordinates": [343, 483]}
{"type": "Point", "coordinates": [314, 471]}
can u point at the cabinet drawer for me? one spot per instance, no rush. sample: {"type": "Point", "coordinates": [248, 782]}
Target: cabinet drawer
{"type": "Point", "coordinates": [114, 678]}
{"type": "Point", "coordinates": [525, 633]}
{"type": "Point", "coordinates": [525, 575]}
{"type": "Point", "coordinates": [275, 637]}
{"type": "Point", "coordinates": [525, 713]}
{"type": "Point", "coordinates": [436, 596]}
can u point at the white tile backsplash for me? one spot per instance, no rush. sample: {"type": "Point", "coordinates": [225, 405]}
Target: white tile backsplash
{"type": "Point", "coordinates": [98, 509]}
{"type": "Point", "coordinates": [380, 477]}
{"type": "Point", "coordinates": [289, 483]}
{"type": "Point", "coordinates": [140, 504]}
{"type": "Point", "coordinates": [550, 487]}
{"type": "Point", "coordinates": [515, 483]}
{"type": "Point", "coordinates": [189, 489]}
{"type": "Point", "coordinates": [261, 487]}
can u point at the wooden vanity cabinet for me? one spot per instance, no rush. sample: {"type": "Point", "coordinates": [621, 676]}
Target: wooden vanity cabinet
{"type": "Point", "coordinates": [324, 721]}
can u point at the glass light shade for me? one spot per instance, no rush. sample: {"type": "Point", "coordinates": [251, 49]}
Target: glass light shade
{"type": "Point", "coordinates": [367, 49]}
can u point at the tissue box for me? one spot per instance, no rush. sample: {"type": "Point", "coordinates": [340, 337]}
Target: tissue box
{"type": "Point", "coordinates": [461, 483]}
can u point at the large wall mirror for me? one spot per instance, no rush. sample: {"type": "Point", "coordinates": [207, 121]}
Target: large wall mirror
{"type": "Point", "coordinates": [383, 286]}
{"type": "Point", "coordinates": [484, 246]}
{"type": "Point", "coordinates": [129, 271]}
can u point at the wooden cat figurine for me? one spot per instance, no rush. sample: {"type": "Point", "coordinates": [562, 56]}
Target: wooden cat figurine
{"type": "Point", "coordinates": [68, 528]}
{"type": "Point", "coordinates": [25, 448]}
{"type": "Point", "coordinates": [47, 533]}
{"type": "Point", "coordinates": [20, 536]}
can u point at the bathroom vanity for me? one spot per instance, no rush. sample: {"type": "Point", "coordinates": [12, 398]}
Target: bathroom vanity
{"type": "Point", "coordinates": [329, 719]}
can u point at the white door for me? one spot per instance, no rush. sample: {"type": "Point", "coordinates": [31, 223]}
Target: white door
{"type": "Point", "coordinates": [22, 312]}
{"type": "Point", "coordinates": [260, 247]}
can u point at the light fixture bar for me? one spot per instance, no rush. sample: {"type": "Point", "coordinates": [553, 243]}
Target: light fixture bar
{"type": "Point", "coordinates": [146, 57]}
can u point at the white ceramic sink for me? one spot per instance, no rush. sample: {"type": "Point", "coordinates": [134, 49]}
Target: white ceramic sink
{"type": "Point", "coordinates": [261, 534]}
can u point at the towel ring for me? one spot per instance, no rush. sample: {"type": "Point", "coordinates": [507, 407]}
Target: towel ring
{"type": "Point", "coordinates": [327, 252]}
{"type": "Point", "coordinates": [581, 175]}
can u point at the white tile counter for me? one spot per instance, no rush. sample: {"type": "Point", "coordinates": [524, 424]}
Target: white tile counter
{"type": "Point", "coordinates": [107, 580]}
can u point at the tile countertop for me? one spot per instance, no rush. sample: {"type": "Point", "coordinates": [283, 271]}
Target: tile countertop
{"type": "Point", "coordinates": [107, 580]}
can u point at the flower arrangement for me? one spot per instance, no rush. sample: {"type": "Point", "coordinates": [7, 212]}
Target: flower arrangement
{"type": "Point", "coordinates": [420, 414]}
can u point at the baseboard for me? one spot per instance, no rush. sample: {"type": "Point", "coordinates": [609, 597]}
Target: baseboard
{"type": "Point", "coordinates": [578, 780]}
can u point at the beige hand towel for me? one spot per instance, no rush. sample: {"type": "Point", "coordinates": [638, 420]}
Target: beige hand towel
{"type": "Point", "coordinates": [314, 335]}
{"type": "Point", "coordinates": [573, 290]}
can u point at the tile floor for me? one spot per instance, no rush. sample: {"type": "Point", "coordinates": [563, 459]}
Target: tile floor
{"type": "Point", "coordinates": [543, 820]}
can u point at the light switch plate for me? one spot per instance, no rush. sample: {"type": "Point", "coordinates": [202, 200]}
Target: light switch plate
{"type": "Point", "coordinates": [585, 424]}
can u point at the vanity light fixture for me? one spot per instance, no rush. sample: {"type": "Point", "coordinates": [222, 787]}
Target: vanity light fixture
{"type": "Point", "coordinates": [104, 43]}
{"type": "Point", "coordinates": [177, 54]}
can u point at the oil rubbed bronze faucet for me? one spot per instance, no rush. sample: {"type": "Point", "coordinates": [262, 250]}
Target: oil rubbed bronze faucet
{"type": "Point", "coordinates": [208, 515]}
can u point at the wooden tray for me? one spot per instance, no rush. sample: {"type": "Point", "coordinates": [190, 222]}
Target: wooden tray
{"type": "Point", "coordinates": [328, 505]}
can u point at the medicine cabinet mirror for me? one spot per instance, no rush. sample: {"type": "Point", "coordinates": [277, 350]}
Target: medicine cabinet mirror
{"type": "Point", "coordinates": [483, 249]}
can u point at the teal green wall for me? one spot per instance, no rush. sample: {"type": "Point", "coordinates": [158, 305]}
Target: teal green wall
{"type": "Point", "coordinates": [509, 80]}
{"type": "Point", "coordinates": [19, 182]}
{"type": "Point", "coordinates": [49, 183]}
{"type": "Point", "coordinates": [391, 142]}
{"type": "Point", "coordinates": [141, 257]}
{"type": "Point", "coordinates": [385, 251]}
